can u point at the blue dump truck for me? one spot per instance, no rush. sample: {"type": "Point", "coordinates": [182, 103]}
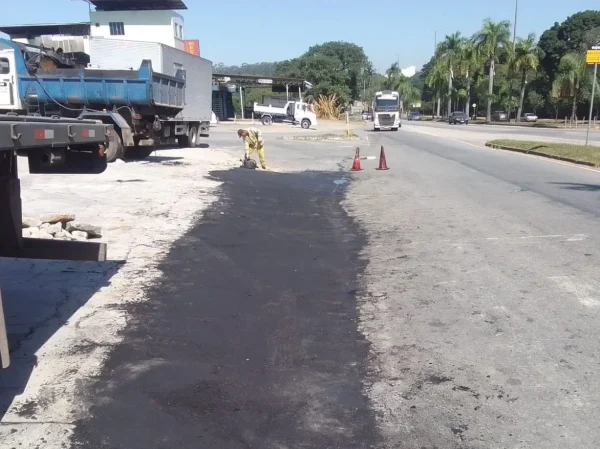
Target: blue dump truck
{"type": "Point", "coordinates": [146, 108]}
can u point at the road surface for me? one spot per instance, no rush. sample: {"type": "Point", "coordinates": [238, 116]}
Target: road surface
{"type": "Point", "coordinates": [481, 296]}
{"type": "Point", "coordinates": [450, 302]}
{"type": "Point", "coordinates": [482, 133]}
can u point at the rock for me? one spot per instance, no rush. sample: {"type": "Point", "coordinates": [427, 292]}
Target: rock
{"type": "Point", "coordinates": [43, 235]}
{"type": "Point", "coordinates": [54, 228]}
{"type": "Point", "coordinates": [63, 235]}
{"type": "Point", "coordinates": [29, 222]}
{"type": "Point", "coordinates": [57, 218]}
{"type": "Point", "coordinates": [79, 235]}
{"type": "Point", "coordinates": [93, 231]}
{"type": "Point", "coordinates": [28, 232]}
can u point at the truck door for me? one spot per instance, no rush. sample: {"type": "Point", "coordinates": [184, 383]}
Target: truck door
{"type": "Point", "coordinates": [290, 110]}
{"type": "Point", "coordinates": [8, 88]}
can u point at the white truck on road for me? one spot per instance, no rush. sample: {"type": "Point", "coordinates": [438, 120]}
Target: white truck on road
{"type": "Point", "coordinates": [386, 110]}
{"type": "Point", "coordinates": [293, 112]}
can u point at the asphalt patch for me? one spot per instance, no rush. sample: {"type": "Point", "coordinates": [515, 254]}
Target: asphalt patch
{"type": "Point", "coordinates": [250, 338]}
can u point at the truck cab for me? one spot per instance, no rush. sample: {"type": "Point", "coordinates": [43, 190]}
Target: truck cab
{"type": "Point", "coordinates": [295, 112]}
{"type": "Point", "coordinates": [9, 94]}
{"type": "Point", "coordinates": [386, 110]}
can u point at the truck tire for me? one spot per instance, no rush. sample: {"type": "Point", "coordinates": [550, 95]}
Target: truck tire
{"type": "Point", "coordinates": [394, 129]}
{"type": "Point", "coordinates": [189, 141]}
{"type": "Point", "coordinates": [305, 123]}
{"type": "Point", "coordinates": [114, 150]}
{"type": "Point", "coordinates": [193, 136]}
{"type": "Point", "coordinates": [267, 120]}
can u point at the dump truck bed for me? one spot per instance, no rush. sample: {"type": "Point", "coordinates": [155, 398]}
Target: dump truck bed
{"type": "Point", "coordinates": [89, 87]}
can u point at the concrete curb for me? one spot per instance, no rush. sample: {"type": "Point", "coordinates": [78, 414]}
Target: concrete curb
{"type": "Point", "coordinates": [537, 153]}
{"type": "Point", "coordinates": [512, 125]}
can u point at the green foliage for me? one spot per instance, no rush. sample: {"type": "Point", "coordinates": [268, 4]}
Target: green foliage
{"type": "Point", "coordinates": [492, 37]}
{"type": "Point", "coordinates": [334, 68]}
{"type": "Point", "coordinates": [535, 100]}
{"type": "Point", "coordinates": [260, 68]}
{"type": "Point", "coordinates": [572, 35]}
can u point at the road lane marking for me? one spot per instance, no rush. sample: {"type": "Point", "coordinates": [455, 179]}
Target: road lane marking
{"type": "Point", "coordinates": [454, 242]}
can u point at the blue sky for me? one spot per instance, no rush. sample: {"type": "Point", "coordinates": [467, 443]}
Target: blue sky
{"type": "Point", "coordinates": [238, 31]}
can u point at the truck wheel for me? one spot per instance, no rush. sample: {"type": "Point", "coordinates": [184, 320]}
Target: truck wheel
{"type": "Point", "coordinates": [394, 129]}
{"type": "Point", "coordinates": [305, 123]}
{"type": "Point", "coordinates": [193, 137]}
{"type": "Point", "coordinates": [267, 120]}
{"type": "Point", "coordinates": [114, 150]}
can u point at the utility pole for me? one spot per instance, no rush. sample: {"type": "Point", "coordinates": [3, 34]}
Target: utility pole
{"type": "Point", "coordinates": [515, 24]}
{"type": "Point", "coordinates": [587, 135]}
{"type": "Point", "coordinates": [517, 119]}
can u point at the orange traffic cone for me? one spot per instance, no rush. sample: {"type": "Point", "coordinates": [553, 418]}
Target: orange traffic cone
{"type": "Point", "coordinates": [356, 163]}
{"type": "Point", "coordinates": [382, 161]}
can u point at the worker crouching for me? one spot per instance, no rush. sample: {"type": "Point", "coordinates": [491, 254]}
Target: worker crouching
{"type": "Point", "coordinates": [253, 141]}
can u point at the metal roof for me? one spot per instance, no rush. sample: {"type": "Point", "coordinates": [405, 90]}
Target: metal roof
{"type": "Point", "coordinates": [257, 80]}
{"type": "Point", "coordinates": [136, 5]}
{"type": "Point", "coordinates": [42, 29]}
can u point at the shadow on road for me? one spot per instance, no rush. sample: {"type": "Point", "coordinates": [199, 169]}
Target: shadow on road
{"type": "Point", "coordinates": [576, 186]}
{"type": "Point", "coordinates": [39, 297]}
{"type": "Point", "coordinates": [250, 338]}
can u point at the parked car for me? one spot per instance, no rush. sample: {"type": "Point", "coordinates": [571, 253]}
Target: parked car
{"type": "Point", "coordinates": [529, 117]}
{"type": "Point", "coordinates": [499, 116]}
{"type": "Point", "coordinates": [366, 116]}
{"type": "Point", "coordinates": [458, 117]}
{"type": "Point", "coordinates": [414, 116]}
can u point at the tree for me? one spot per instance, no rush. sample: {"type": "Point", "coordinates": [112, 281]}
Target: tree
{"type": "Point", "coordinates": [258, 69]}
{"type": "Point", "coordinates": [568, 37]}
{"type": "Point", "coordinates": [436, 78]}
{"type": "Point", "coordinates": [396, 81]}
{"type": "Point", "coordinates": [332, 68]}
{"type": "Point", "coordinates": [572, 74]}
{"type": "Point", "coordinates": [448, 54]}
{"type": "Point", "coordinates": [489, 40]}
{"type": "Point", "coordinates": [469, 64]}
{"type": "Point", "coordinates": [535, 100]}
{"type": "Point", "coordinates": [351, 57]}
{"type": "Point", "coordinates": [524, 58]}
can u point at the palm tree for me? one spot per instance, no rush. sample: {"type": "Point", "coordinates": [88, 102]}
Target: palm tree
{"type": "Point", "coordinates": [436, 78]}
{"type": "Point", "coordinates": [409, 93]}
{"type": "Point", "coordinates": [449, 53]}
{"type": "Point", "coordinates": [469, 64]}
{"type": "Point", "coordinates": [489, 40]}
{"type": "Point", "coordinates": [572, 75]}
{"type": "Point", "coordinates": [525, 58]}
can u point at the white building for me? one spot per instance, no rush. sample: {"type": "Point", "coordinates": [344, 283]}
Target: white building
{"type": "Point", "coordinates": [161, 26]}
{"type": "Point", "coordinates": [153, 21]}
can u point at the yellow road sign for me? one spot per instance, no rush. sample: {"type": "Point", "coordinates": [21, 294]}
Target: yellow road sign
{"type": "Point", "coordinates": [592, 57]}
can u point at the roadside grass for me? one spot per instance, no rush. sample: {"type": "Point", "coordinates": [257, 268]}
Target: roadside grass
{"type": "Point", "coordinates": [589, 155]}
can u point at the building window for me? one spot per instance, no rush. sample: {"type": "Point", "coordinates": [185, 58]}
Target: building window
{"type": "Point", "coordinates": [116, 28]}
{"type": "Point", "coordinates": [180, 31]}
{"type": "Point", "coordinates": [4, 66]}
